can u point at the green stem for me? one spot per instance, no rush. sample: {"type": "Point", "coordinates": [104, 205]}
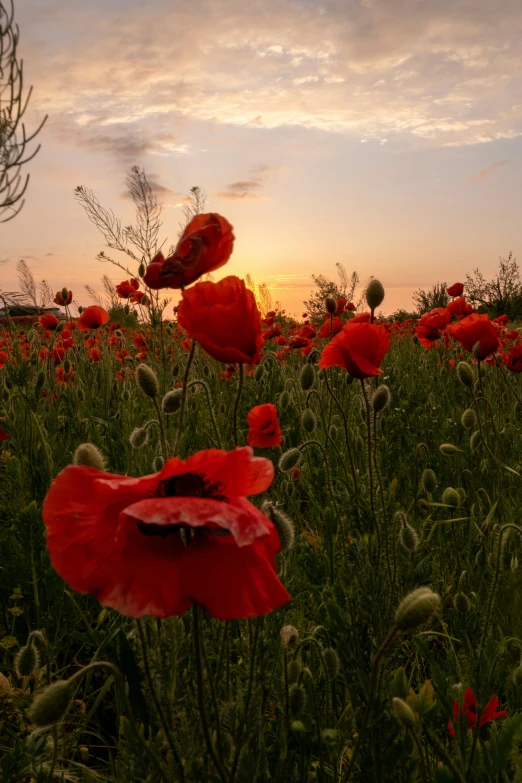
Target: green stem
{"type": "Point", "coordinates": [236, 403]}
{"type": "Point", "coordinates": [163, 440]}
{"type": "Point", "coordinates": [248, 697]}
{"type": "Point", "coordinates": [184, 398]}
{"type": "Point", "coordinates": [443, 754]}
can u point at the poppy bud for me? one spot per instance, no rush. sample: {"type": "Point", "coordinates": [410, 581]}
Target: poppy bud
{"type": "Point", "coordinates": [409, 538]}
{"type": "Point", "coordinates": [138, 437]}
{"type": "Point", "coordinates": [296, 700]}
{"type": "Point", "coordinates": [87, 454]}
{"type": "Point", "coordinates": [331, 305]}
{"type": "Point", "coordinates": [518, 407]}
{"type": "Point", "coordinates": [480, 558]}
{"type": "Point", "coordinates": [84, 753]}
{"type": "Point", "coordinates": [417, 608]}
{"type": "Point", "coordinates": [429, 481]}
{"type": "Point", "coordinates": [27, 661]}
{"type": "Point", "coordinates": [52, 704]}
{"type": "Point", "coordinates": [517, 676]}
{"type": "Point", "coordinates": [282, 523]}
{"type": "Point", "coordinates": [289, 636]}
{"type": "Point", "coordinates": [171, 402]}
{"type": "Point", "coordinates": [206, 370]}
{"type": "Point", "coordinates": [462, 603]}
{"type": "Point", "coordinates": [118, 333]}
{"type": "Point", "coordinates": [259, 372]}
{"type": "Point", "coordinates": [141, 269]}
{"type": "Point", "coordinates": [331, 663]}
{"type": "Point", "coordinates": [147, 380]}
{"type": "Point", "coordinates": [308, 420]}
{"type": "Point", "coordinates": [284, 400]}
{"type": "Point", "coordinates": [80, 309]}
{"type": "Point", "coordinates": [67, 367]}
{"type": "Point", "coordinates": [468, 419]}
{"type": "Point", "coordinates": [462, 495]}
{"type": "Point", "coordinates": [65, 294]}
{"type": "Point", "coordinates": [222, 408]}
{"type": "Point", "coordinates": [289, 460]}
{"type": "Point", "coordinates": [80, 394]}
{"type": "Point", "coordinates": [450, 497]}
{"type": "Point", "coordinates": [359, 444]}
{"type": "Point", "coordinates": [381, 398]}
{"type": "Point", "coordinates": [374, 294]}
{"type": "Point", "coordinates": [465, 374]}
{"type": "Point", "coordinates": [125, 395]}
{"type": "Point", "coordinates": [449, 449]}
{"type": "Point", "coordinates": [157, 463]}
{"type": "Point", "coordinates": [144, 300]}
{"type": "Point", "coordinates": [333, 432]}
{"type": "Point", "coordinates": [126, 309]}
{"type": "Point", "coordinates": [403, 712]}
{"type": "Point", "coordinates": [307, 377]}
{"type": "Point", "coordinates": [297, 727]}
{"type": "Point", "coordinates": [475, 440]}
{"type": "Point", "coordinates": [294, 669]}
{"type": "Point", "coordinates": [175, 370]}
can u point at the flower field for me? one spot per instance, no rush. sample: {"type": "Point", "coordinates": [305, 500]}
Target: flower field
{"type": "Point", "coordinates": [241, 547]}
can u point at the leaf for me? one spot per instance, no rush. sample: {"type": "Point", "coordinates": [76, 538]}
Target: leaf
{"type": "Point", "coordinates": [399, 686]}
{"type": "Point", "coordinates": [130, 671]}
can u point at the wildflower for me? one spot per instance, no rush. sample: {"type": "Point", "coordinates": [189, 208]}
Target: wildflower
{"type": "Point", "coordinates": [457, 289]}
{"type": "Point", "coordinates": [3, 434]}
{"type": "Point", "coordinates": [335, 327]}
{"type": "Point", "coordinates": [206, 245]}
{"type": "Point", "coordinates": [127, 288]}
{"type": "Point", "coordinates": [469, 711]}
{"type": "Point", "coordinates": [361, 318]}
{"type": "Point", "coordinates": [62, 300]}
{"type": "Point", "coordinates": [119, 537]}
{"type": "Point", "coordinates": [460, 308]}
{"type": "Point", "coordinates": [48, 321]}
{"type": "Point", "coordinates": [359, 349]}
{"type": "Point", "coordinates": [264, 429]}
{"type": "Point", "coordinates": [223, 317]}
{"type": "Point", "coordinates": [476, 329]}
{"type": "Point", "coordinates": [92, 318]}
{"type": "Point", "coordinates": [514, 358]}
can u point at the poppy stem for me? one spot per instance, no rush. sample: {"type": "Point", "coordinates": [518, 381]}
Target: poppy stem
{"type": "Point", "coordinates": [163, 440]}
{"type": "Point", "coordinates": [370, 471]}
{"type": "Point", "coordinates": [154, 695]}
{"type": "Point", "coordinates": [184, 398]}
{"type": "Point", "coordinates": [443, 754]}
{"type": "Point", "coordinates": [236, 403]}
{"type": "Point", "coordinates": [248, 697]}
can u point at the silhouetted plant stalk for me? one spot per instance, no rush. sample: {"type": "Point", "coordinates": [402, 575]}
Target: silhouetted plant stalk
{"type": "Point", "coordinates": [184, 399]}
{"type": "Point", "coordinates": [236, 403]}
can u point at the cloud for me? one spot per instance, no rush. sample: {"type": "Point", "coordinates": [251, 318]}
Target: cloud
{"type": "Point", "coordinates": [248, 188]}
{"type": "Point", "coordinates": [119, 79]}
{"type": "Point", "coordinates": [485, 173]}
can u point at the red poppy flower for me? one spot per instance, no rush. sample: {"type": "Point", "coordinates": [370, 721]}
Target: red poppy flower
{"type": "Point", "coordinates": [341, 304]}
{"type": "Point", "coordinates": [127, 288]}
{"type": "Point", "coordinates": [206, 244]}
{"type": "Point", "coordinates": [48, 321]}
{"type": "Point", "coordinates": [469, 711]}
{"type": "Point", "coordinates": [59, 300]}
{"type": "Point", "coordinates": [350, 307]}
{"type": "Point", "coordinates": [92, 318]}
{"type": "Point", "coordinates": [140, 297]}
{"type": "Point", "coordinates": [333, 327]}
{"type": "Point", "coordinates": [426, 336]}
{"type": "Point", "coordinates": [361, 318]}
{"type": "Point", "coordinates": [224, 319]}
{"type": "Point", "coordinates": [299, 342]}
{"type": "Point", "coordinates": [359, 349]}
{"type": "Point", "coordinates": [460, 308]}
{"type": "Point", "coordinates": [3, 359]}
{"type": "Point", "coordinates": [3, 434]}
{"type": "Point", "coordinates": [307, 331]}
{"type": "Point", "coordinates": [436, 319]}
{"type": "Point", "coordinates": [264, 430]}
{"type": "Point", "coordinates": [304, 315]}
{"type": "Point", "coordinates": [457, 289]}
{"type": "Point", "coordinates": [476, 329]}
{"type": "Point", "coordinates": [502, 320]}
{"type": "Point", "coordinates": [514, 358]}
{"type": "Point", "coordinates": [119, 537]}
{"type": "Point", "coordinates": [96, 355]}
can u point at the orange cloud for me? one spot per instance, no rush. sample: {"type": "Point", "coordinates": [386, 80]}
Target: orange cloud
{"type": "Point", "coordinates": [485, 173]}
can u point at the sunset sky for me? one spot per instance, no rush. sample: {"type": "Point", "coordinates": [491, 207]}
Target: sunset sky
{"type": "Point", "coordinates": [384, 134]}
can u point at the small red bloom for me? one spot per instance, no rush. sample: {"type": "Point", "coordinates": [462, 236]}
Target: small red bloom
{"type": "Point", "coordinates": [307, 331]}
{"type": "Point", "coordinates": [299, 342]}
{"type": "Point", "coordinates": [59, 300]}
{"type": "Point", "coordinates": [48, 321]}
{"type": "Point", "coordinates": [206, 244]}
{"type": "Point", "coordinates": [96, 355]}
{"type": "Point", "coordinates": [334, 327]}
{"type": "Point", "coordinates": [514, 358]}
{"type": "Point", "coordinates": [341, 305]}
{"type": "Point", "coordinates": [281, 340]}
{"type": "Point", "coordinates": [436, 319]}
{"type": "Point", "coordinates": [127, 288]}
{"type": "Point", "coordinates": [350, 307]}
{"type": "Point", "coordinates": [3, 434]}
{"type": "Point", "coordinates": [119, 538]}
{"type": "Point", "coordinates": [457, 289]}
{"type": "Point", "coordinates": [460, 308]}
{"type": "Point", "coordinates": [476, 329]}
{"type": "Point", "coordinates": [224, 319]}
{"type": "Point", "coordinates": [92, 318]}
{"type": "Point", "coordinates": [264, 430]}
{"type": "Point", "coordinates": [359, 349]}
{"type": "Point", "coordinates": [469, 711]}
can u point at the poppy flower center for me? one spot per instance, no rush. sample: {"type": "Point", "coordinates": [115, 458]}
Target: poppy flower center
{"type": "Point", "coordinates": [186, 485]}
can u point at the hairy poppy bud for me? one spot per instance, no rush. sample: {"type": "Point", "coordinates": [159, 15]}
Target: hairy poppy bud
{"type": "Point", "coordinates": [297, 727]}
{"type": "Point", "coordinates": [80, 394]}
{"type": "Point", "coordinates": [175, 370]}
{"type": "Point", "coordinates": [27, 661]}
{"type": "Point", "coordinates": [465, 374]}
{"type": "Point", "coordinates": [307, 377]}
{"type": "Point", "coordinates": [294, 669]}
{"type": "Point", "coordinates": [52, 704]}
{"type": "Point", "coordinates": [517, 676]}
{"type": "Point", "coordinates": [308, 420]}
{"type": "Point", "coordinates": [359, 444]}
{"type": "Point", "coordinates": [138, 437]}
{"type": "Point", "coordinates": [289, 460]}
{"type": "Point", "coordinates": [80, 309]}
{"type": "Point", "coordinates": [462, 495]}
{"type": "Point", "coordinates": [331, 663]}
{"type": "Point", "coordinates": [331, 305]}
{"type": "Point", "coordinates": [144, 300]}
{"type": "Point", "coordinates": [330, 737]}
{"type": "Point", "coordinates": [333, 432]}
{"type": "Point", "coordinates": [125, 395]}
{"type": "Point", "coordinates": [468, 419]}
{"type": "Point", "coordinates": [289, 635]}
{"type": "Point", "coordinates": [450, 497]}
{"type": "Point", "coordinates": [449, 449]}
{"type": "Point", "coordinates": [417, 608]}
{"type": "Point", "coordinates": [147, 380]}
{"type": "Point", "coordinates": [296, 700]}
{"type": "Point", "coordinates": [282, 523]}
{"type": "Point", "coordinates": [65, 294]}
{"type": "Point", "coordinates": [141, 269]}
{"type": "Point", "coordinates": [284, 400]}
{"type": "Point", "coordinates": [38, 640]}
{"type": "Point", "coordinates": [67, 367]}
{"type": "Point", "coordinates": [171, 402]}
{"type": "Point", "coordinates": [429, 481]}
{"type": "Point", "coordinates": [222, 408]}
{"type": "Point", "coordinates": [259, 372]}
{"type": "Point", "coordinates": [40, 380]}
{"type": "Point", "coordinates": [475, 440]}
{"type": "Point", "coordinates": [403, 712]}
{"type": "Point", "coordinates": [374, 294]}
{"type": "Point", "coordinates": [118, 333]}
{"type": "Point", "coordinates": [157, 463]}
{"type": "Point", "coordinates": [462, 603]}
{"type": "Point", "coordinates": [381, 398]}
{"type": "Point", "coordinates": [409, 538]}
{"type": "Point", "coordinates": [87, 454]}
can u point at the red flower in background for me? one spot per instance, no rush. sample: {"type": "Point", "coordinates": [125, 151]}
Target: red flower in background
{"type": "Point", "coordinates": [361, 318]}
{"type": "Point", "coordinates": [475, 329]}
{"type": "Point", "coordinates": [350, 307]}
{"type": "Point", "coordinates": [264, 430]}
{"type": "Point", "coordinates": [127, 288]}
{"type": "Point", "coordinates": [359, 349]}
{"type": "Point", "coordinates": [224, 319]}
{"type": "Point", "coordinates": [341, 304]}
{"type": "Point", "coordinates": [206, 244]}
{"type": "Point", "coordinates": [436, 319]}
{"type": "Point", "coordinates": [92, 318]}
{"type": "Point", "coordinates": [330, 327]}
{"type": "Point", "coordinates": [59, 299]}
{"type": "Point", "coordinates": [514, 358]}
{"type": "Point", "coordinates": [460, 308]}
{"type": "Point", "coordinates": [3, 434]}
{"type": "Point", "coordinates": [119, 537]}
{"type": "Point", "coordinates": [469, 711]}
{"type": "Point", "coordinates": [457, 289]}
{"type": "Point", "coordinates": [48, 321]}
